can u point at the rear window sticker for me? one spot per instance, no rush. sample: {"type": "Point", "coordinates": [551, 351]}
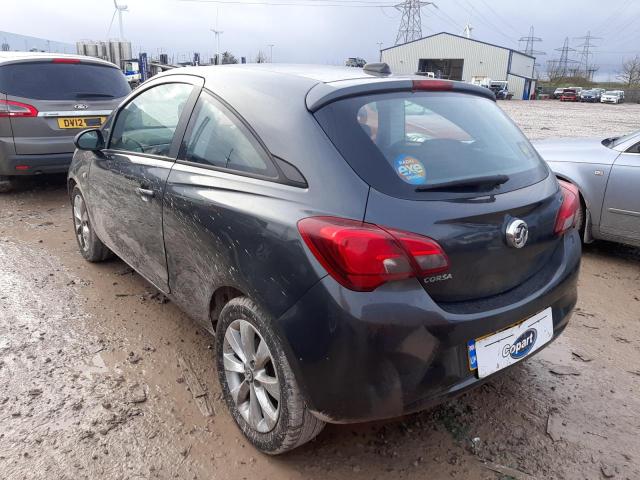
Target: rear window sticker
{"type": "Point", "coordinates": [410, 169]}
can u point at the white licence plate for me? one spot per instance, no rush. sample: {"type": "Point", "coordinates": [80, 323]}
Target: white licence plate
{"type": "Point", "coordinates": [499, 350]}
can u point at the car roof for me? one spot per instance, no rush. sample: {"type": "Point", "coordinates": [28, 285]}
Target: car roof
{"type": "Point", "coordinates": [313, 73]}
{"type": "Point", "coordinates": [321, 84]}
{"type": "Point", "coordinates": [275, 99]}
{"type": "Point", "coordinates": [22, 57]}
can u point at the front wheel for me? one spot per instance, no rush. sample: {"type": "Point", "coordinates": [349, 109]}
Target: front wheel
{"type": "Point", "coordinates": [257, 382]}
{"type": "Point", "coordinates": [91, 247]}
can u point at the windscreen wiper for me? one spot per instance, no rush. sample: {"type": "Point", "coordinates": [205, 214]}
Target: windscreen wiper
{"type": "Point", "coordinates": [486, 181]}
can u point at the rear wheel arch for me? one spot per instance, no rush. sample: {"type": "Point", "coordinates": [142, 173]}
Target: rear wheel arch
{"type": "Point", "coordinates": [219, 298]}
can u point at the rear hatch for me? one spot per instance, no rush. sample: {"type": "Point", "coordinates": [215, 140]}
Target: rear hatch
{"type": "Point", "coordinates": [453, 167]}
{"type": "Point", "coordinates": [53, 99]}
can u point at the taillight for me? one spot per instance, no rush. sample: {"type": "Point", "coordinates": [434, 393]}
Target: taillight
{"type": "Point", "coordinates": [362, 256]}
{"type": "Point", "coordinates": [432, 85]}
{"type": "Point", "coordinates": [568, 210]}
{"type": "Point", "coordinates": [426, 255]}
{"type": "Point", "coordinates": [17, 109]}
{"type": "Point", "coordinates": [65, 60]}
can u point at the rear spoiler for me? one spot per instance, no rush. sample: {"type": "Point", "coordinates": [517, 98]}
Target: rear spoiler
{"type": "Point", "coordinates": [52, 58]}
{"type": "Point", "coordinates": [324, 93]}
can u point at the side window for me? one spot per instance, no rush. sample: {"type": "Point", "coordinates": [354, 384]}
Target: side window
{"type": "Point", "coordinates": [215, 137]}
{"type": "Point", "coordinates": [148, 122]}
{"type": "Point", "coordinates": [634, 149]}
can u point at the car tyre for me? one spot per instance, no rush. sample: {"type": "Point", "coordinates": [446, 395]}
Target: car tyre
{"type": "Point", "coordinates": [6, 184]}
{"type": "Point", "coordinates": [257, 382]}
{"type": "Point", "coordinates": [91, 247]}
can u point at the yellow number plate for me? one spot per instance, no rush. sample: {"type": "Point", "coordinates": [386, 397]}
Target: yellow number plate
{"type": "Point", "coordinates": [81, 122]}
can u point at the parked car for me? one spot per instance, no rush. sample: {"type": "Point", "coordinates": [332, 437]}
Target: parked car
{"type": "Point", "coordinates": [590, 96]}
{"type": "Point", "coordinates": [557, 93]}
{"type": "Point", "coordinates": [612, 96]}
{"type": "Point", "coordinates": [45, 99]}
{"type": "Point", "coordinates": [607, 174]}
{"type": "Point", "coordinates": [384, 244]}
{"type": "Point", "coordinates": [500, 88]}
{"type": "Point", "coordinates": [569, 95]}
{"type": "Point", "coordinates": [355, 62]}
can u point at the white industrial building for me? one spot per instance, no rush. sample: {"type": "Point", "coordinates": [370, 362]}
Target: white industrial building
{"type": "Point", "coordinates": [459, 58]}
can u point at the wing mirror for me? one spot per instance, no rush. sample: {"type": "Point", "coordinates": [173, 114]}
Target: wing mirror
{"type": "Point", "coordinates": [91, 139]}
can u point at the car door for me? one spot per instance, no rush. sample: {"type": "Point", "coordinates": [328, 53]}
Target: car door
{"type": "Point", "coordinates": [127, 182]}
{"type": "Point", "coordinates": [621, 212]}
{"type": "Point", "coordinates": [227, 215]}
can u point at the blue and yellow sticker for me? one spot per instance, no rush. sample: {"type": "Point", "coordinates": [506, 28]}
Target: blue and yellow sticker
{"type": "Point", "coordinates": [410, 169]}
{"type": "Point", "coordinates": [473, 358]}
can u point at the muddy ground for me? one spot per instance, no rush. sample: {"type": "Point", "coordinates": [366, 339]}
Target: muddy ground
{"type": "Point", "coordinates": [99, 378]}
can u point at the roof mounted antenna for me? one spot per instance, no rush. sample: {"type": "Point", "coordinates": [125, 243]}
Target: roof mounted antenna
{"type": "Point", "coordinates": [379, 68]}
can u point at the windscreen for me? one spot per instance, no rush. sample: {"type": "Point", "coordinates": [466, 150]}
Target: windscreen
{"type": "Point", "coordinates": [399, 142]}
{"type": "Point", "coordinates": [62, 81]}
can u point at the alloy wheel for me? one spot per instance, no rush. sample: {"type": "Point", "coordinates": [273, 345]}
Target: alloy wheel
{"type": "Point", "coordinates": [251, 376]}
{"type": "Point", "coordinates": [81, 222]}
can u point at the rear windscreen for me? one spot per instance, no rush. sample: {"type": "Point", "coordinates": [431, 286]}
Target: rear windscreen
{"type": "Point", "coordinates": [62, 81]}
{"type": "Point", "coordinates": [400, 141]}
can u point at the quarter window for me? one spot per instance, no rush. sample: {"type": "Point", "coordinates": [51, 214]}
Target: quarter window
{"type": "Point", "coordinates": [634, 149]}
{"type": "Point", "coordinates": [147, 123]}
{"type": "Point", "coordinates": [215, 137]}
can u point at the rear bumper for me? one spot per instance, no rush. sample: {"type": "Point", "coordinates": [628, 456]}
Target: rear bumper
{"type": "Point", "coordinates": [365, 356]}
{"type": "Point", "coordinates": [35, 164]}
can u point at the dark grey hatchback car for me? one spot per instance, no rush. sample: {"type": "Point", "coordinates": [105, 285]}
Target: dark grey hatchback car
{"type": "Point", "coordinates": [361, 245]}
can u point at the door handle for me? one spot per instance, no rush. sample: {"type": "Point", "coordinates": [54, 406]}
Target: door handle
{"type": "Point", "coordinates": [145, 193]}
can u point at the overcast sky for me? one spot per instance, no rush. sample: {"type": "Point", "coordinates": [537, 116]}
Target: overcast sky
{"type": "Point", "coordinates": [317, 33]}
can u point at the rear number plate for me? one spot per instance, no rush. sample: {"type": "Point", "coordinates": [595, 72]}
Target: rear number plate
{"type": "Point", "coordinates": [81, 122]}
{"type": "Point", "coordinates": [501, 349]}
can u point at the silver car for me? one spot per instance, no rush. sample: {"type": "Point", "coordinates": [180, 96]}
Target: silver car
{"type": "Point", "coordinates": [45, 100]}
{"type": "Point", "coordinates": [607, 174]}
{"type": "Point", "coordinates": [613, 96]}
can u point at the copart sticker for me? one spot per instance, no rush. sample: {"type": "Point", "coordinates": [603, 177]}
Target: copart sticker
{"type": "Point", "coordinates": [410, 169]}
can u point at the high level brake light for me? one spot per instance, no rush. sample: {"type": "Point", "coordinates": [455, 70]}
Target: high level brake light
{"type": "Point", "coordinates": [65, 60]}
{"type": "Point", "coordinates": [9, 108]}
{"type": "Point", "coordinates": [432, 85]}
{"type": "Point", "coordinates": [567, 214]}
{"type": "Point", "coordinates": [362, 256]}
